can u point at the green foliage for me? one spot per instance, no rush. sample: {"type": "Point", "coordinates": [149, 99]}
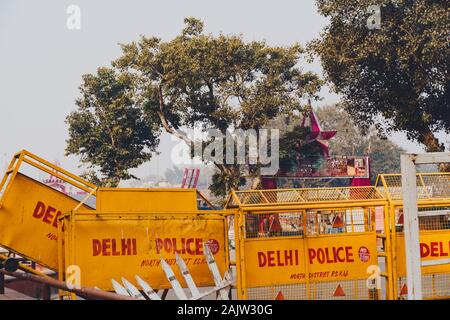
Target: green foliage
{"type": "Point", "coordinates": [395, 77]}
{"type": "Point", "coordinates": [195, 80]}
{"type": "Point", "coordinates": [293, 146]}
{"type": "Point", "coordinates": [218, 81]}
{"type": "Point", "coordinates": [294, 150]}
{"type": "Point", "coordinates": [108, 130]}
{"type": "Point", "coordinates": [222, 180]}
{"type": "Point", "coordinates": [215, 82]}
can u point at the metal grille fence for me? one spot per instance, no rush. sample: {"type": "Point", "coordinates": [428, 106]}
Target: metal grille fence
{"type": "Point", "coordinates": [434, 226]}
{"type": "Point", "coordinates": [315, 222]}
{"type": "Point", "coordinates": [301, 230]}
{"type": "Point", "coordinates": [330, 290]}
{"type": "Point", "coordinates": [430, 218]}
{"type": "Point", "coordinates": [275, 224]}
{"type": "Point", "coordinates": [434, 286]}
{"type": "Point", "coordinates": [429, 185]}
{"type": "Point", "coordinates": [291, 196]}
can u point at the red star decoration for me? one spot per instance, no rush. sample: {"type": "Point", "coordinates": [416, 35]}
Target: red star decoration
{"type": "Point", "coordinates": [317, 135]}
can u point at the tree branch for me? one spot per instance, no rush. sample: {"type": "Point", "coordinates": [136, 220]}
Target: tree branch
{"type": "Point", "coordinates": [166, 124]}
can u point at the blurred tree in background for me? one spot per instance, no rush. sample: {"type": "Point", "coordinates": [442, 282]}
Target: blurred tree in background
{"type": "Point", "coordinates": [349, 141]}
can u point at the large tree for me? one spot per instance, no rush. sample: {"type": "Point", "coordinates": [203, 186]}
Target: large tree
{"type": "Point", "coordinates": [395, 77]}
{"type": "Point", "coordinates": [195, 80]}
{"type": "Point", "coordinates": [108, 130]}
{"type": "Point", "coordinates": [215, 82]}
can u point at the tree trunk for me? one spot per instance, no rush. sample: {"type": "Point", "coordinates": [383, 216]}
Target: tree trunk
{"type": "Point", "coordinates": [431, 142]}
{"type": "Point", "coordinates": [432, 145]}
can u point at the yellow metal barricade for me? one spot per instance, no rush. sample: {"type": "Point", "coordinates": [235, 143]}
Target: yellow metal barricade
{"type": "Point", "coordinates": [109, 246]}
{"type": "Point", "coordinates": [313, 243]}
{"type": "Point", "coordinates": [310, 243]}
{"type": "Point", "coordinates": [434, 225]}
{"type": "Point", "coordinates": [29, 209]}
{"type": "Point", "coordinates": [135, 200]}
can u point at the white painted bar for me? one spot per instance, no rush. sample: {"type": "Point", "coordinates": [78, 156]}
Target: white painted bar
{"type": "Point", "coordinates": [119, 289]}
{"type": "Point", "coordinates": [430, 157]}
{"type": "Point", "coordinates": [187, 276]}
{"type": "Point", "coordinates": [148, 290]}
{"type": "Point", "coordinates": [411, 227]}
{"type": "Point", "coordinates": [214, 270]}
{"type": "Point", "coordinates": [179, 292]}
{"type": "Point", "coordinates": [411, 218]}
{"type": "Point", "coordinates": [435, 262]}
{"type": "Point", "coordinates": [132, 290]}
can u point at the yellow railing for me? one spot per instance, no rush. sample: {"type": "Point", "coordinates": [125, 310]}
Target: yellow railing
{"type": "Point", "coordinates": [434, 186]}
{"type": "Point", "coordinates": [372, 213]}
{"type": "Point", "coordinates": [302, 196]}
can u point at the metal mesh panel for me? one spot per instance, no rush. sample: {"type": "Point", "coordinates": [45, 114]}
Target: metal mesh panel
{"type": "Point", "coordinates": [274, 224]}
{"type": "Point", "coordinates": [282, 196]}
{"type": "Point", "coordinates": [270, 197]}
{"type": "Point", "coordinates": [429, 185]}
{"type": "Point", "coordinates": [430, 218]}
{"type": "Point", "coordinates": [318, 222]}
{"type": "Point", "coordinates": [349, 290]}
{"type": "Point", "coordinates": [288, 292]}
{"type": "Point", "coordinates": [440, 184]}
{"type": "Point", "coordinates": [434, 286]}
{"type": "Point", "coordinates": [330, 290]}
{"type": "Point", "coordinates": [335, 194]}
{"type": "Point", "coordinates": [434, 218]}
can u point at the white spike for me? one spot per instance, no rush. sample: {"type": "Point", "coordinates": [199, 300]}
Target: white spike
{"type": "Point", "coordinates": [119, 289]}
{"type": "Point", "coordinates": [132, 290]}
{"type": "Point", "coordinates": [151, 294]}
{"type": "Point", "coordinates": [227, 278]}
{"type": "Point", "coordinates": [214, 270]}
{"type": "Point", "coordinates": [187, 276]}
{"type": "Point", "coordinates": [173, 280]}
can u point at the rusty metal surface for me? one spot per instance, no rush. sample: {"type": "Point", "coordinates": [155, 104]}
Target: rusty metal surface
{"type": "Point", "coordinates": [11, 294]}
{"type": "Point", "coordinates": [88, 293]}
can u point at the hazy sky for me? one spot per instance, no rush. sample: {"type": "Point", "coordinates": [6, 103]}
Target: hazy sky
{"type": "Point", "coordinates": [42, 61]}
